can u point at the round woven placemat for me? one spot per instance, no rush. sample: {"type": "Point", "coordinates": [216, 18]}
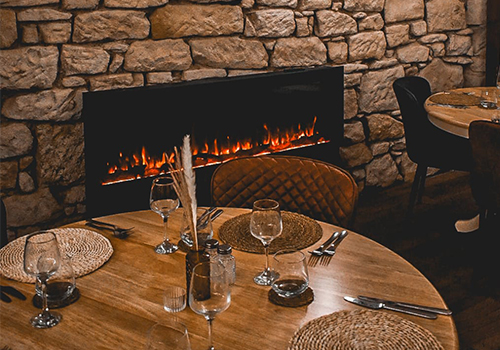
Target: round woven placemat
{"type": "Point", "coordinates": [88, 250]}
{"type": "Point", "coordinates": [363, 329]}
{"type": "Point", "coordinates": [456, 99]}
{"type": "Point", "coordinates": [299, 232]}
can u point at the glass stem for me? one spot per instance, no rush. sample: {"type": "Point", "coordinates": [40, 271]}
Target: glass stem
{"type": "Point", "coordinates": [210, 342]}
{"type": "Point", "coordinates": [266, 250]}
{"type": "Point", "coordinates": [165, 228]}
{"type": "Point", "coordinates": [45, 304]}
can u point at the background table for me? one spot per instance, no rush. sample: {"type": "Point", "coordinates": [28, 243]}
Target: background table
{"type": "Point", "coordinates": [456, 119]}
{"type": "Point", "coordinates": [121, 300]}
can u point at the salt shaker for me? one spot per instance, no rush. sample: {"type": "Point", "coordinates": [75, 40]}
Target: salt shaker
{"type": "Point", "coordinates": [227, 259]}
{"type": "Point", "coordinates": [211, 248]}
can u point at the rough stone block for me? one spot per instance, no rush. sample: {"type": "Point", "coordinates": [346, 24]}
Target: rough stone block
{"type": "Point", "coordinates": [331, 23]}
{"type": "Point", "coordinates": [158, 55]}
{"type": "Point", "coordinates": [8, 28]}
{"type": "Point", "coordinates": [299, 52]}
{"type": "Point", "coordinates": [445, 15]}
{"type": "Point", "coordinates": [28, 67]}
{"type": "Point", "coordinates": [367, 45]}
{"type": "Point", "coordinates": [76, 59]}
{"type": "Point", "coordinates": [54, 105]}
{"type": "Point", "coordinates": [270, 23]}
{"type": "Point", "coordinates": [176, 21]}
{"type": "Point", "coordinates": [15, 140]}
{"type": "Point", "coordinates": [229, 52]}
{"type": "Point", "coordinates": [110, 25]}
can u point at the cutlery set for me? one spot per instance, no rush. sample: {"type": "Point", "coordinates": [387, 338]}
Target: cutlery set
{"type": "Point", "coordinates": [324, 253]}
{"type": "Point", "coordinates": [124, 232]}
{"type": "Point", "coordinates": [406, 308]}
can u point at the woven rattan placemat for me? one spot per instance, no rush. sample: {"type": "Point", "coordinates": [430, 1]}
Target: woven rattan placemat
{"type": "Point", "coordinates": [299, 232]}
{"type": "Point", "coordinates": [456, 99]}
{"type": "Point", "coordinates": [88, 250]}
{"type": "Point", "coordinates": [363, 329]}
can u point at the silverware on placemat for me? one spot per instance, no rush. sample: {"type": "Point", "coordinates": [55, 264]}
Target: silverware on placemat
{"type": "Point", "coordinates": [377, 305]}
{"type": "Point", "coordinates": [329, 252]}
{"type": "Point", "coordinates": [435, 310]}
{"type": "Point", "coordinates": [117, 231]}
{"type": "Point", "coordinates": [318, 252]}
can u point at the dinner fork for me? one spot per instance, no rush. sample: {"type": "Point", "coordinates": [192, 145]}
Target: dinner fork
{"type": "Point", "coordinates": [326, 257]}
{"type": "Point", "coordinates": [117, 231]}
{"type": "Point", "coordinates": [317, 253]}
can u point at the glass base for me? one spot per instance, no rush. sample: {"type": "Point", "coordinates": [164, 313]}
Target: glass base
{"type": "Point", "coordinates": [46, 320]}
{"type": "Point", "coordinates": [266, 277]}
{"type": "Point", "coordinates": [166, 248]}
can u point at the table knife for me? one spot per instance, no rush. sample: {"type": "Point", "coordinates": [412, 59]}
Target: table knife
{"type": "Point", "coordinates": [435, 310]}
{"type": "Point", "coordinates": [376, 305]}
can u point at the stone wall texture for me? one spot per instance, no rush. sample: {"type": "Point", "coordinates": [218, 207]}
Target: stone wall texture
{"type": "Point", "coordinates": [52, 51]}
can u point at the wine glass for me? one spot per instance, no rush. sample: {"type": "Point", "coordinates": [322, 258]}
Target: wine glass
{"type": "Point", "coordinates": [209, 292]}
{"type": "Point", "coordinates": [266, 224]}
{"type": "Point", "coordinates": [167, 335]}
{"type": "Point", "coordinates": [164, 200]}
{"type": "Point", "coordinates": [42, 259]}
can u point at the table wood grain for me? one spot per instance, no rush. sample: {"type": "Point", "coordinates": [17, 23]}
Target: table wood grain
{"type": "Point", "coordinates": [121, 300]}
{"type": "Point", "coordinates": [456, 120]}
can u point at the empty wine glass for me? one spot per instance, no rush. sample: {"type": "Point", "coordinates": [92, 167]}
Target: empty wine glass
{"type": "Point", "coordinates": [266, 224]}
{"type": "Point", "coordinates": [164, 200]}
{"type": "Point", "coordinates": [42, 259]}
{"type": "Point", "coordinates": [209, 292]}
{"type": "Point", "coordinates": [168, 335]}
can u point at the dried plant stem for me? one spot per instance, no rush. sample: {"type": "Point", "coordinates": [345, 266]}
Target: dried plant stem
{"type": "Point", "coordinates": [185, 185]}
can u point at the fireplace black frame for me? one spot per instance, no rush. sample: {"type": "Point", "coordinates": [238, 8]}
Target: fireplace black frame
{"type": "Point", "coordinates": [115, 115]}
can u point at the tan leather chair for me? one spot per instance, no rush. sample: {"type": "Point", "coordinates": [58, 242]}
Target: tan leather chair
{"type": "Point", "coordinates": [310, 187]}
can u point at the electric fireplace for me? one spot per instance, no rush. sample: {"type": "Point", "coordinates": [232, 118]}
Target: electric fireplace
{"type": "Point", "coordinates": [130, 134]}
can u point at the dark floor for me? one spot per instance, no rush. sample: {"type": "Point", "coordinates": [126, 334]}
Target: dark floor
{"type": "Point", "coordinates": [465, 268]}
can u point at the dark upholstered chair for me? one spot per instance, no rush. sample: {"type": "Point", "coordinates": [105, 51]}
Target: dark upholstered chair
{"type": "Point", "coordinates": [310, 187]}
{"type": "Point", "coordinates": [426, 144]}
{"type": "Point", "coordinates": [484, 137]}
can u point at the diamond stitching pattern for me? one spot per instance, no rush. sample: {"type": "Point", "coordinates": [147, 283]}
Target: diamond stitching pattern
{"type": "Point", "coordinates": [314, 188]}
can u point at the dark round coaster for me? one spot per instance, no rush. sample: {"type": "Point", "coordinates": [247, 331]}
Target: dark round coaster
{"type": "Point", "coordinates": [37, 300]}
{"type": "Point", "coordinates": [300, 300]}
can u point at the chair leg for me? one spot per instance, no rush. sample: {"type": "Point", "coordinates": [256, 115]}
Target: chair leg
{"type": "Point", "coordinates": [417, 187]}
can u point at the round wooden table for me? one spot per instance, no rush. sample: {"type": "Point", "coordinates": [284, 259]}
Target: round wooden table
{"type": "Point", "coordinates": [122, 299]}
{"type": "Point", "coordinates": [455, 117]}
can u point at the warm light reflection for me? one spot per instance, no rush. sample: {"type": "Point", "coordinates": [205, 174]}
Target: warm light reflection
{"type": "Point", "coordinates": [142, 164]}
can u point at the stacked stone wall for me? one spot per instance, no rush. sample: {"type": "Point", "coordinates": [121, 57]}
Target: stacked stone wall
{"type": "Point", "coordinates": [51, 51]}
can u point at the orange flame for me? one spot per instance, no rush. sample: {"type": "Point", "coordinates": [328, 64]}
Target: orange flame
{"type": "Point", "coordinates": [143, 164]}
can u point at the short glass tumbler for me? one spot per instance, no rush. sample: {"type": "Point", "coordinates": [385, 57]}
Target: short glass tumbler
{"type": "Point", "coordinates": [293, 275]}
{"type": "Point", "coordinates": [174, 299]}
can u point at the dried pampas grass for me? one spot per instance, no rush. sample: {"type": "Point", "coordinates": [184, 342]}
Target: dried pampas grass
{"type": "Point", "coordinates": [185, 184]}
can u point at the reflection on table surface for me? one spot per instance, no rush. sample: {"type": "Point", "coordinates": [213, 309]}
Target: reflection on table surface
{"type": "Point", "coordinates": [124, 298]}
{"type": "Point", "coordinates": [455, 117]}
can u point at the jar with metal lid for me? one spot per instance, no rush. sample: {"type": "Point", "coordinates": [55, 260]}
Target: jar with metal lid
{"type": "Point", "coordinates": [211, 246]}
{"type": "Point", "coordinates": [227, 259]}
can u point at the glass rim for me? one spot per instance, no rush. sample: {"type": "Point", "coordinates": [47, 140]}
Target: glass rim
{"type": "Point", "coordinates": [287, 253]}
{"type": "Point", "coordinates": [52, 236]}
{"type": "Point", "coordinates": [220, 272]}
{"type": "Point", "coordinates": [164, 177]}
{"type": "Point", "coordinates": [273, 204]}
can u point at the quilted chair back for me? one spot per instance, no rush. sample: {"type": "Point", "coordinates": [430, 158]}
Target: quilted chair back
{"type": "Point", "coordinates": [310, 187]}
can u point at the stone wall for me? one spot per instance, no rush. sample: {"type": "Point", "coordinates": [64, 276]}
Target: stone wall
{"type": "Point", "coordinates": [53, 50]}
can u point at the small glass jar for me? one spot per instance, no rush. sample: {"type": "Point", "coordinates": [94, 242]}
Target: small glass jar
{"type": "Point", "coordinates": [211, 246]}
{"type": "Point", "coordinates": [227, 259]}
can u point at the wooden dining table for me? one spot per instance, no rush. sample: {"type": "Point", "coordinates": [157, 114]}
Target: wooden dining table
{"type": "Point", "coordinates": [123, 298]}
{"type": "Point", "coordinates": [454, 116]}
